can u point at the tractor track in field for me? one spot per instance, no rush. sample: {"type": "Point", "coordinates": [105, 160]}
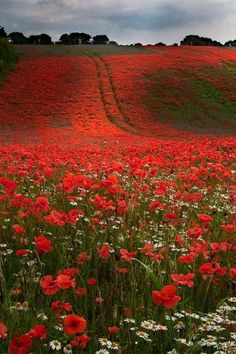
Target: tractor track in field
{"type": "Point", "coordinates": [109, 98]}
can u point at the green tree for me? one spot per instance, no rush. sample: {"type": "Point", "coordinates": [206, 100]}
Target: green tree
{"type": "Point", "coordinates": [18, 38]}
{"type": "Point", "coordinates": [230, 43]}
{"type": "Point", "coordinates": [2, 32]}
{"type": "Point", "coordinates": [64, 39]}
{"type": "Point", "coordinates": [196, 40]}
{"type": "Point", "coordinates": [100, 39]}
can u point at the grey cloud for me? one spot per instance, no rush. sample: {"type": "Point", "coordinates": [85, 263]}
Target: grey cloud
{"type": "Point", "coordinates": [146, 18]}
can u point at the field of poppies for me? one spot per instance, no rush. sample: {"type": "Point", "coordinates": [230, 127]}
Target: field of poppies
{"type": "Point", "coordinates": [118, 202]}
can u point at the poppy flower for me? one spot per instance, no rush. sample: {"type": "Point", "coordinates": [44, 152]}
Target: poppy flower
{"type": "Point", "coordinates": [104, 251]}
{"type": "Point", "coordinates": [42, 203]}
{"type": "Point", "coordinates": [166, 297]}
{"type": "Point", "coordinates": [232, 272]}
{"type": "Point", "coordinates": [58, 306]}
{"type": "Point", "coordinates": [74, 324]}
{"type": "Point", "coordinates": [204, 218]}
{"type": "Point", "coordinates": [50, 286]}
{"type": "Point", "coordinates": [183, 279]}
{"type": "Point", "coordinates": [3, 330]}
{"type": "Point", "coordinates": [20, 345]}
{"type": "Point", "coordinates": [186, 258]}
{"type": "Point", "coordinates": [43, 245]}
{"type": "Point", "coordinates": [65, 281]}
{"type": "Point", "coordinates": [39, 331]}
{"type": "Point", "coordinates": [21, 253]}
{"type": "Point", "coordinates": [18, 229]}
{"type": "Point", "coordinates": [126, 255]}
{"type": "Point", "coordinates": [80, 342]}
{"type": "Point", "coordinates": [113, 330]}
{"type": "Point", "coordinates": [195, 232]}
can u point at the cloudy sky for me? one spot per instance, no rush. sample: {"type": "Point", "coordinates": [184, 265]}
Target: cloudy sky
{"type": "Point", "coordinates": [125, 21]}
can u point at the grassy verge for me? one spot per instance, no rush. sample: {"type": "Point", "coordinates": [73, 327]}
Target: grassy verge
{"type": "Point", "coordinates": [201, 99]}
{"type": "Point", "coordinates": [8, 58]}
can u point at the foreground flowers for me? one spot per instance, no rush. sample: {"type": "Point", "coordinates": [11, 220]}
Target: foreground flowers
{"type": "Point", "coordinates": [166, 297]}
{"type": "Point", "coordinates": [118, 243]}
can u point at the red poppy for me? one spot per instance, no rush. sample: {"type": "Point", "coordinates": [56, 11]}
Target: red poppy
{"type": "Point", "coordinates": [82, 257]}
{"type": "Point", "coordinates": [80, 291]}
{"type": "Point", "coordinates": [183, 279]}
{"type": "Point", "coordinates": [42, 203]}
{"type": "Point", "coordinates": [211, 268]}
{"type": "Point", "coordinates": [113, 330]}
{"type": "Point", "coordinates": [80, 342]}
{"type": "Point", "coordinates": [232, 272]}
{"type": "Point", "coordinates": [91, 281]}
{"type": "Point", "coordinates": [20, 345]}
{"type": "Point", "coordinates": [195, 232]}
{"type": "Point", "coordinates": [104, 251]}
{"type": "Point", "coordinates": [58, 306]}
{"type": "Point", "coordinates": [3, 330]}
{"type": "Point", "coordinates": [50, 286]}
{"type": "Point", "coordinates": [126, 255]}
{"type": "Point", "coordinates": [21, 253]}
{"type": "Point", "coordinates": [166, 297]}
{"type": "Point", "coordinates": [65, 281]}
{"type": "Point", "coordinates": [74, 324]}
{"type": "Point", "coordinates": [186, 258]}
{"type": "Point", "coordinates": [39, 331]}
{"type": "Point", "coordinates": [43, 245]}
{"type": "Point", "coordinates": [204, 218]}
{"type": "Point", "coordinates": [18, 229]}
{"type": "Point", "coordinates": [55, 218]}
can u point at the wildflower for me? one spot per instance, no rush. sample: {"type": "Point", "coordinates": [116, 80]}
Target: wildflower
{"type": "Point", "coordinates": [55, 344]}
{"type": "Point", "coordinates": [166, 297]}
{"type": "Point", "coordinates": [104, 341]}
{"type": "Point", "coordinates": [20, 345]}
{"type": "Point", "coordinates": [67, 349]}
{"type": "Point", "coordinates": [143, 335]}
{"type": "Point", "coordinates": [186, 258]}
{"type": "Point", "coordinates": [74, 324]}
{"type": "Point", "coordinates": [204, 218]}
{"type": "Point", "coordinates": [43, 245]}
{"type": "Point", "coordinates": [91, 281]}
{"type": "Point", "coordinates": [80, 341]}
{"type": "Point", "coordinates": [41, 204]}
{"type": "Point", "coordinates": [195, 232]}
{"type": "Point", "coordinates": [232, 272]}
{"type": "Point", "coordinates": [65, 282]}
{"type": "Point", "coordinates": [102, 351]}
{"type": "Point", "coordinates": [18, 229]}
{"type": "Point", "coordinates": [3, 330]}
{"type": "Point", "coordinates": [183, 279]}
{"type": "Point", "coordinates": [50, 286]}
{"type": "Point", "coordinates": [113, 330]}
{"type": "Point", "coordinates": [104, 251]}
{"type": "Point", "coordinates": [22, 252]}
{"type": "Point", "coordinates": [126, 255]}
{"type": "Point", "coordinates": [58, 306]}
{"type": "Point", "coordinates": [39, 331]}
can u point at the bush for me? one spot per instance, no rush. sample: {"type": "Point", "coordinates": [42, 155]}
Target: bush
{"type": "Point", "coordinates": [8, 57]}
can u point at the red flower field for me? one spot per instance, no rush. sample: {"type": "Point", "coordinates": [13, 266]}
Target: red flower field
{"type": "Point", "coordinates": [117, 203]}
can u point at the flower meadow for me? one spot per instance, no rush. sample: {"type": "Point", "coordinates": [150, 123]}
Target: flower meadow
{"type": "Point", "coordinates": [118, 230]}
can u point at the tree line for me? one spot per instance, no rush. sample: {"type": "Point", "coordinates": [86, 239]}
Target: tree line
{"type": "Point", "coordinates": [85, 38]}
{"type": "Point", "coordinates": [45, 39]}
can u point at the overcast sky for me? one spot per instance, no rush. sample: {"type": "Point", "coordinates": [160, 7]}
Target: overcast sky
{"type": "Point", "coordinates": [125, 21]}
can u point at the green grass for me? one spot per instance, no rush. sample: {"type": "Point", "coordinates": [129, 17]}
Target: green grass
{"type": "Point", "coordinates": [201, 99]}
{"type": "Point", "coordinates": [8, 58]}
{"type": "Point", "coordinates": [70, 50]}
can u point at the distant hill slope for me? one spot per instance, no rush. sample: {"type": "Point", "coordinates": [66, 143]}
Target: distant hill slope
{"type": "Point", "coordinates": [65, 93]}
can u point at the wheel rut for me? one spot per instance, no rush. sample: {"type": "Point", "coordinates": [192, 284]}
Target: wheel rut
{"type": "Point", "coordinates": [110, 101]}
